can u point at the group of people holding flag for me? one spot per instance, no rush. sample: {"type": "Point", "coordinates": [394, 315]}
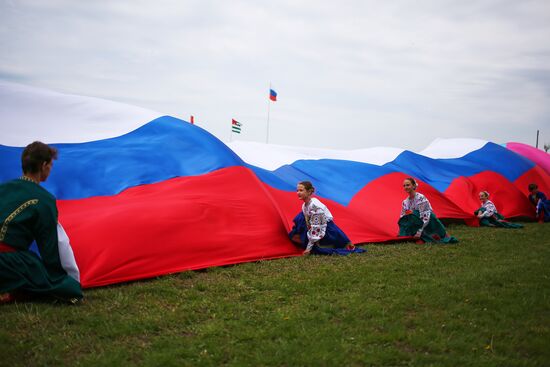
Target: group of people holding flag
{"type": "Point", "coordinates": [315, 231]}
{"type": "Point", "coordinates": [28, 215]}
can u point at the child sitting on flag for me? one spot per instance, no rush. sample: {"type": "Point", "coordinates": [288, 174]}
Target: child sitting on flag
{"type": "Point", "coordinates": [489, 216]}
{"type": "Point", "coordinates": [418, 218]}
{"type": "Point", "coordinates": [314, 226]}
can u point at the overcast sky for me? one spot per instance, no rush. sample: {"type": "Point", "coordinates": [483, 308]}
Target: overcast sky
{"type": "Point", "coordinates": [349, 74]}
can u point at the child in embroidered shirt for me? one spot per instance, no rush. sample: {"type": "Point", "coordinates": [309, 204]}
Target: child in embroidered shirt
{"type": "Point", "coordinates": [418, 218]}
{"type": "Point", "coordinates": [489, 216]}
{"type": "Point", "coordinates": [315, 225]}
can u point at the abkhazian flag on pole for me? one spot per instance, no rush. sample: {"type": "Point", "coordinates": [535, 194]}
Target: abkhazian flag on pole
{"type": "Point", "coordinates": [235, 126]}
{"type": "Point", "coordinates": [273, 95]}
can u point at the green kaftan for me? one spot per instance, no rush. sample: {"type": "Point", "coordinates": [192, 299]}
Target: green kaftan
{"type": "Point", "coordinates": [28, 213]}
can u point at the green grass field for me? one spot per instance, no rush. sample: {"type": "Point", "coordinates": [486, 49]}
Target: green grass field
{"type": "Point", "coordinates": [483, 302]}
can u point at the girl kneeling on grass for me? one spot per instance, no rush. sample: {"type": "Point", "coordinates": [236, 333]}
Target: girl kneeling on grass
{"type": "Point", "coordinates": [418, 219]}
{"type": "Point", "coordinates": [489, 216]}
{"type": "Point", "coordinates": [314, 226]}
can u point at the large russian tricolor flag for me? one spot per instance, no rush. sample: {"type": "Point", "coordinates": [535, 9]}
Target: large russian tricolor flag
{"type": "Point", "coordinates": [141, 194]}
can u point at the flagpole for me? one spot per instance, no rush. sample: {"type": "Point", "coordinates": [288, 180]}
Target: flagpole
{"type": "Point", "coordinates": [268, 107]}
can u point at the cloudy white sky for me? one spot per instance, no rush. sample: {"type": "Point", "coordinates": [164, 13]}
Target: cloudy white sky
{"type": "Point", "coordinates": [349, 74]}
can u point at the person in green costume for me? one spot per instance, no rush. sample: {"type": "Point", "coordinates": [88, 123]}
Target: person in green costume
{"type": "Point", "coordinates": [489, 216]}
{"type": "Point", "coordinates": [28, 213]}
{"type": "Point", "coordinates": [418, 219]}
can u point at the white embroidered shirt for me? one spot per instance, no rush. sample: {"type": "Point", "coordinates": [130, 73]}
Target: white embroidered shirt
{"type": "Point", "coordinates": [490, 209]}
{"type": "Point", "coordinates": [418, 202]}
{"type": "Point", "coordinates": [317, 216]}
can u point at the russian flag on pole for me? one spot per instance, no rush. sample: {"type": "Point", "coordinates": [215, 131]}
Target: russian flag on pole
{"type": "Point", "coordinates": [272, 95]}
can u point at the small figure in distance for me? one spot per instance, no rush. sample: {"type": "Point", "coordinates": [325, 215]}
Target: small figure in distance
{"type": "Point", "coordinates": [541, 203]}
{"type": "Point", "coordinates": [489, 216]}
